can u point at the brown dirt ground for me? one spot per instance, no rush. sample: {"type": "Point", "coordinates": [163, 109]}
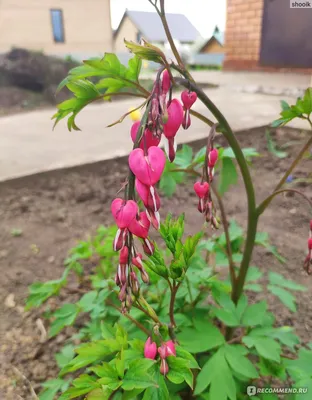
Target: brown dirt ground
{"type": "Point", "coordinates": [54, 210]}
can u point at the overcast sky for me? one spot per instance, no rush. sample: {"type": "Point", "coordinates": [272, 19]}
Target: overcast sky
{"type": "Point", "coordinates": [204, 14]}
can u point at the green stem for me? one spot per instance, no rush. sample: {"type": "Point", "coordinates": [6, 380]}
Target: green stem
{"type": "Point", "coordinates": [296, 161]}
{"type": "Point", "coordinates": [261, 208]}
{"type": "Point", "coordinates": [174, 291]}
{"type": "Point", "coordinates": [201, 117]}
{"type": "Point", "coordinates": [227, 236]}
{"type": "Point", "coordinates": [252, 223]}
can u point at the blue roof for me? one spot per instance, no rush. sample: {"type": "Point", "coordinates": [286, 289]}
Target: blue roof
{"type": "Point", "coordinates": [150, 26]}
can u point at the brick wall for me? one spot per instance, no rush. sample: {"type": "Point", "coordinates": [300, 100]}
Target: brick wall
{"type": "Point", "coordinates": [243, 33]}
{"type": "Point", "coordinates": [243, 37]}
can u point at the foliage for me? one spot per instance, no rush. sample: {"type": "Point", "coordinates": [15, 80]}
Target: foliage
{"type": "Point", "coordinates": [110, 358]}
{"type": "Point", "coordinates": [200, 302]}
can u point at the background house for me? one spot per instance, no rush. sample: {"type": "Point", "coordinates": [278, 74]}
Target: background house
{"type": "Point", "coordinates": [209, 52]}
{"type": "Point", "coordinates": [268, 35]}
{"type": "Point", "coordinates": [57, 27]}
{"type": "Point", "coordinates": [135, 25]}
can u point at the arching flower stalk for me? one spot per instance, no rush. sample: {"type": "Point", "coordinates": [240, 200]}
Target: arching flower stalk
{"type": "Point", "coordinates": [162, 118]}
{"type": "Point", "coordinates": [203, 188]}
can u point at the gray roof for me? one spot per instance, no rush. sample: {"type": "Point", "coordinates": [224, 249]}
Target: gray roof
{"type": "Point", "coordinates": [150, 26]}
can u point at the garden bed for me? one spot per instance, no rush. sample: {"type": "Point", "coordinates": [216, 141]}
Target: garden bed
{"type": "Point", "coordinates": [43, 215]}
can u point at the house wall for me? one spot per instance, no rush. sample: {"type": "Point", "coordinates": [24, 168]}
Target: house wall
{"type": "Point", "coordinates": [87, 26]}
{"type": "Point", "coordinates": [243, 37]}
{"type": "Point", "coordinates": [213, 47]}
{"type": "Point", "coordinates": [127, 31]}
{"type": "Point", "coordinates": [243, 33]}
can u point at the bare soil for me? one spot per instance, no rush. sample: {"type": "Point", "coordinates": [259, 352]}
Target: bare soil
{"type": "Point", "coordinates": [43, 215]}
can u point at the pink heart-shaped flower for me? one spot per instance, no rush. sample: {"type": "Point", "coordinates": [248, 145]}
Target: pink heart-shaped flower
{"type": "Point", "coordinates": [148, 138]}
{"type": "Point", "coordinates": [201, 189]}
{"type": "Point", "coordinates": [140, 226]}
{"type": "Point", "coordinates": [175, 118]}
{"type": "Point", "coordinates": [124, 212]}
{"type": "Point", "coordinates": [148, 169]}
{"type": "Point", "coordinates": [148, 195]}
{"type": "Point", "coordinates": [188, 98]}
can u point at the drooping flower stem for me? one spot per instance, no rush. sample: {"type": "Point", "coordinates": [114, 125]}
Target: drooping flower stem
{"type": "Point", "coordinates": [295, 162]}
{"type": "Point", "coordinates": [225, 128]}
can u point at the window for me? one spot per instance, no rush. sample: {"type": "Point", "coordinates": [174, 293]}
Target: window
{"type": "Point", "coordinates": [57, 25]}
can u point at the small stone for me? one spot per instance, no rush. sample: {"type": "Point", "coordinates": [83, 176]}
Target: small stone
{"type": "Point", "coordinates": [51, 259]}
{"type": "Point", "coordinates": [293, 211]}
{"type": "Point", "coordinates": [9, 301]}
{"type": "Point", "coordinates": [3, 253]}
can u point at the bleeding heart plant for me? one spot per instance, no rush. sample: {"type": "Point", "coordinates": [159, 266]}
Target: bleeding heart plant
{"type": "Point", "coordinates": [169, 324]}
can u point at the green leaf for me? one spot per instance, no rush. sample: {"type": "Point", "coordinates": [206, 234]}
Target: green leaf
{"type": "Point", "coordinates": [228, 175]}
{"type": "Point", "coordinates": [202, 337]}
{"type": "Point", "coordinates": [100, 394]}
{"type": "Point", "coordinates": [280, 280]}
{"type": "Point", "coordinates": [82, 385]}
{"type": "Point", "coordinates": [272, 368]}
{"type": "Point", "coordinates": [108, 375]}
{"type": "Point", "coordinates": [87, 301]}
{"type": "Point", "coordinates": [216, 374]}
{"type": "Point", "coordinates": [262, 238]}
{"type": "Point", "coordinates": [254, 314]}
{"type": "Point", "coordinates": [253, 274]}
{"type": "Point", "coordinates": [285, 297]}
{"type": "Point", "coordinates": [40, 292]}
{"type": "Point", "coordinates": [64, 316]}
{"type": "Point", "coordinates": [182, 353]}
{"type": "Point", "coordinates": [272, 146]}
{"type": "Point", "coordinates": [146, 52]}
{"type": "Point", "coordinates": [66, 354]}
{"type": "Point", "coordinates": [52, 387]}
{"type": "Point", "coordinates": [184, 156]}
{"type": "Point", "coordinates": [285, 105]}
{"type": "Point", "coordinates": [170, 179]}
{"type": "Point", "coordinates": [301, 367]}
{"type": "Point", "coordinates": [179, 371]}
{"type": "Point", "coordinates": [160, 392]}
{"type": "Point", "coordinates": [266, 347]}
{"type": "Point", "coordinates": [239, 363]}
{"type": "Point", "coordinates": [307, 101]}
{"type": "Point", "coordinates": [137, 376]}
{"type": "Point", "coordinates": [134, 69]}
{"type": "Point", "coordinates": [90, 353]}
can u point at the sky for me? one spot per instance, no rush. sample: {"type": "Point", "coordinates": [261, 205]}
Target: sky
{"type": "Point", "coordinates": [203, 14]}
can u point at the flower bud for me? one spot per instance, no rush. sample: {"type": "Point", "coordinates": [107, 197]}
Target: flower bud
{"type": "Point", "coordinates": [134, 283]}
{"type": "Point", "coordinates": [122, 294]}
{"type": "Point", "coordinates": [311, 225]}
{"type": "Point", "coordinates": [310, 243]}
{"type": "Point", "coordinates": [122, 273]}
{"type": "Point", "coordinates": [155, 109]}
{"type": "Point", "coordinates": [212, 158]}
{"type": "Point", "coordinates": [144, 276]}
{"type": "Point", "coordinates": [123, 256]}
{"type": "Point", "coordinates": [170, 348]}
{"type": "Point", "coordinates": [137, 261]}
{"type": "Point", "coordinates": [120, 239]}
{"type": "Point", "coordinates": [186, 123]}
{"type": "Point", "coordinates": [148, 247]}
{"type": "Point", "coordinates": [164, 368]}
{"type": "Point", "coordinates": [166, 83]}
{"type": "Point", "coordinates": [162, 351]}
{"type": "Point", "coordinates": [150, 349]}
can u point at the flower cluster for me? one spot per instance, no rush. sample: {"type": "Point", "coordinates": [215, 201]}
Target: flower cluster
{"type": "Point", "coordinates": [308, 260]}
{"type": "Point", "coordinates": [162, 119]}
{"type": "Point", "coordinates": [203, 188]}
{"type": "Point", "coordinates": [165, 350]}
